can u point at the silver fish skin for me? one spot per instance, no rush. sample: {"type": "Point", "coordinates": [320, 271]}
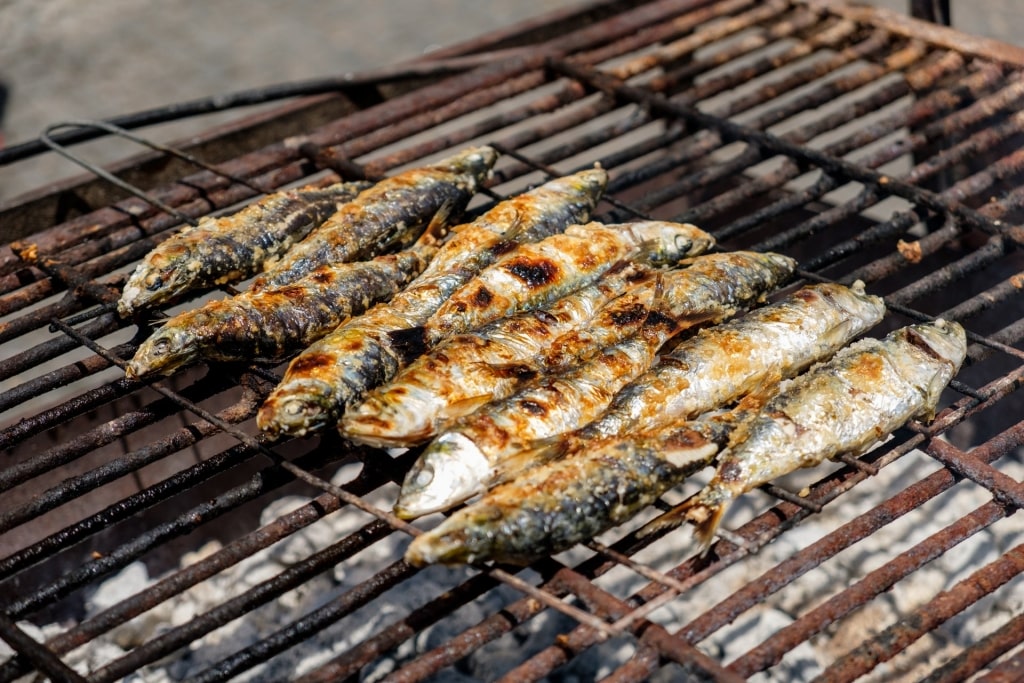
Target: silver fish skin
{"type": "Point", "coordinates": [727, 361]}
{"type": "Point", "coordinates": [272, 324]}
{"type": "Point", "coordinates": [534, 275]}
{"type": "Point", "coordinates": [361, 354]}
{"type": "Point", "coordinates": [551, 508]}
{"type": "Point", "coordinates": [497, 439]}
{"type": "Point", "coordinates": [469, 370]}
{"type": "Point", "coordinates": [704, 289]}
{"type": "Point", "coordinates": [231, 248]}
{"type": "Point", "coordinates": [862, 394]}
{"type": "Point", "coordinates": [390, 212]}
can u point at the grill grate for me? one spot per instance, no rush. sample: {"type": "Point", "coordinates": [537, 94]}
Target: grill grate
{"type": "Point", "coordinates": [863, 144]}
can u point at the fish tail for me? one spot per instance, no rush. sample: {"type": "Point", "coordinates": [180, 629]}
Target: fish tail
{"type": "Point", "coordinates": [702, 510]}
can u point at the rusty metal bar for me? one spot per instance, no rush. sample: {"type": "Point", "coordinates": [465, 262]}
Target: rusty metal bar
{"type": "Point", "coordinates": [926, 618]}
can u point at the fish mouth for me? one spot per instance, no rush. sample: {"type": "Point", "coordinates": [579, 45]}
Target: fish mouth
{"type": "Point", "coordinates": [294, 415]}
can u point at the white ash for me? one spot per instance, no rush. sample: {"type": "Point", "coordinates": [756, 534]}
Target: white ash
{"type": "Point", "coordinates": [498, 657]}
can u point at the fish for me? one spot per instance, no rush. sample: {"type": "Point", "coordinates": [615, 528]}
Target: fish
{"type": "Point", "coordinates": [394, 210]}
{"type": "Point", "coordinates": [704, 289]}
{"type": "Point", "coordinates": [845, 405]}
{"type": "Point", "coordinates": [535, 274]}
{"type": "Point", "coordinates": [496, 442]}
{"type": "Point", "coordinates": [226, 249]}
{"type": "Point", "coordinates": [273, 324]}
{"type": "Point", "coordinates": [488, 365]}
{"type": "Point", "coordinates": [362, 353]}
{"type": "Point", "coordinates": [741, 356]}
{"type": "Point", "coordinates": [552, 507]}
{"type": "Point", "coordinates": [469, 370]}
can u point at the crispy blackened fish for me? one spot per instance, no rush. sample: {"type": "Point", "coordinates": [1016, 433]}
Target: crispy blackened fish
{"type": "Point", "coordinates": [475, 368]}
{"type": "Point", "coordinates": [535, 274]}
{"type": "Point", "coordinates": [231, 248]}
{"type": "Point", "coordinates": [496, 442]}
{"type": "Point", "coordinates": [722, 363]}
{"type": "Point", "coordinates": [361, 353]}
{"type": "Point", "coordinates": [273, 324]}
{"type": "Point", "coordinates": [392, 211]}
{"type": "Point", "coordinates": [554, 506]}
{"type": "Point", "coordinates": [845, 405]}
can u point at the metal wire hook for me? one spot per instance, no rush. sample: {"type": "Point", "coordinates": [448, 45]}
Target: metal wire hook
{"type": "Point", "coordinates": [47, 139]}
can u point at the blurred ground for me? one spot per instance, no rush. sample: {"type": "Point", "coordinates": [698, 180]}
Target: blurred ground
{"type": "Point", "coordinates": [65, 59]}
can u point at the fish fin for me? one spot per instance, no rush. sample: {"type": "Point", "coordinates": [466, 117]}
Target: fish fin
{"type": "Point", "coordinates": [463, 407]}
{"type": "Point", "coordinates": [437, 229]}
{"type": "Point", "coordinates": [840, 333]}
{"type": "Point", "coordinates": [704, 515]}
{"type": "Point", "coordinates": [408, 344]}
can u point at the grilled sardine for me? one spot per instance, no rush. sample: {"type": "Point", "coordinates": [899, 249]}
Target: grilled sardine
{"type": "Point", "coordinates": [535, 274]}
{"type": "Point", "coordinates": [552, 507]}
{"type": "Point", "coordinates": [864, 393]}
{"type": "Point", "coordinates": [231, 248]}
{"type": "Point", "coordinates": [272, 324]}
{"type": "Point", "coordinates": [394, 210]}
{"type": "Point", "coordinates": [361, 353]}
{"type": "Point", "coordinates": [722, 363]}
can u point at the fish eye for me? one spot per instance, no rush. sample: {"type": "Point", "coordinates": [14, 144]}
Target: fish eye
{"type": "Point", "coordinates": [154, 281]}
{"type": "Point", "coordinates": [682, 243]}
{"type": "Point", "coordinates": [424, 476]}
{"type": "Point", "coordinates": [162, 346]}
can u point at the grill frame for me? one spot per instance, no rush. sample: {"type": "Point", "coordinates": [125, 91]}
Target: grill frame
{"type": "Point", "coordinates": [557, 61]}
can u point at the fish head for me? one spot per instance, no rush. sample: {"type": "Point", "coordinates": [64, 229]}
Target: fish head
{"type": "Point", "coordinates": [297, 408]}
{"type": "Point", "coordinates": [863, 309]}
{"type": "Point", "coordinates": [475, 162]}
{"type": "Point", "coordinates": [783, 266]}
{"type": "Point", "coordinates": [665, 243]}
{"type": "Point", "coordinates": [379, 421]}
{"type": "Point", "coordinates": [450, 471]}
{"type": "Point", "coordinates": [171, 348]}
{"type": "Point", "coordinates": [590, 183]}
{"type": "Point", "coordinates": [164, 274]}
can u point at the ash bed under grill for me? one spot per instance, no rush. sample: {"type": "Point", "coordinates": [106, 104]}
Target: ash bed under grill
{"type": "Point", "coordinates": [146, 531]}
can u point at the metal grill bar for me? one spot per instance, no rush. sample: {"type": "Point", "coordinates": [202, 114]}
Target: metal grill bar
{"type": "Point", "coordinates": [653, 93]}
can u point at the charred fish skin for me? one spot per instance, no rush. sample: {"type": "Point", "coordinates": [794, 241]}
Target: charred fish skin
{"type": "Point", "coordinates": [535, 274]}
{"type": "Point", "coordinates": [387, 213]}
{"type": "Point", "coordinates": [360, 354]}
{"type": "Point", "coordinates": [551, 508]}
{"type": "Point", "coordinates": [270, 325]}
{"type": "Point", "coordinates": [231, 248]}
{"type": "Point", "coordinates": [463, 372]}
{"type": "Point", "coordinates": [706, 289]}
{"type": "Point", "coordinates": [722, 363]}
{"type": "Point", "coordinates": [846, 404]}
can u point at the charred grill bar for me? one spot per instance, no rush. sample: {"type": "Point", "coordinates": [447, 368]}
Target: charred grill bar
{"type": "Point", "coordinates": [864, 144]}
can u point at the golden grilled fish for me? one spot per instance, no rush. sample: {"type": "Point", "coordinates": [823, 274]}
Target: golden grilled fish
{"type": "Point", "coordinates": [484, 366]}
{"type": "Point", "coordinates": [535, 274]}
{"type": "Point", "coordinates": [722, 363]}
{"type": "Point", "coordinates": [231, 248]}
{"type": "Point", "coordinates": [845, 405]}
{"type": "Point", "coordinates": [469, 370]}
{"type": "Point", "coordinates": [552, 507]}
{"type": "Point", "coordinates": [496, 442]}
{"type": "Point", "coordinates": [391, 212]}
{"type": "Point", "coordinates": [362, 353]}
{"type": "Point", "coordinates": [273, 324]}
